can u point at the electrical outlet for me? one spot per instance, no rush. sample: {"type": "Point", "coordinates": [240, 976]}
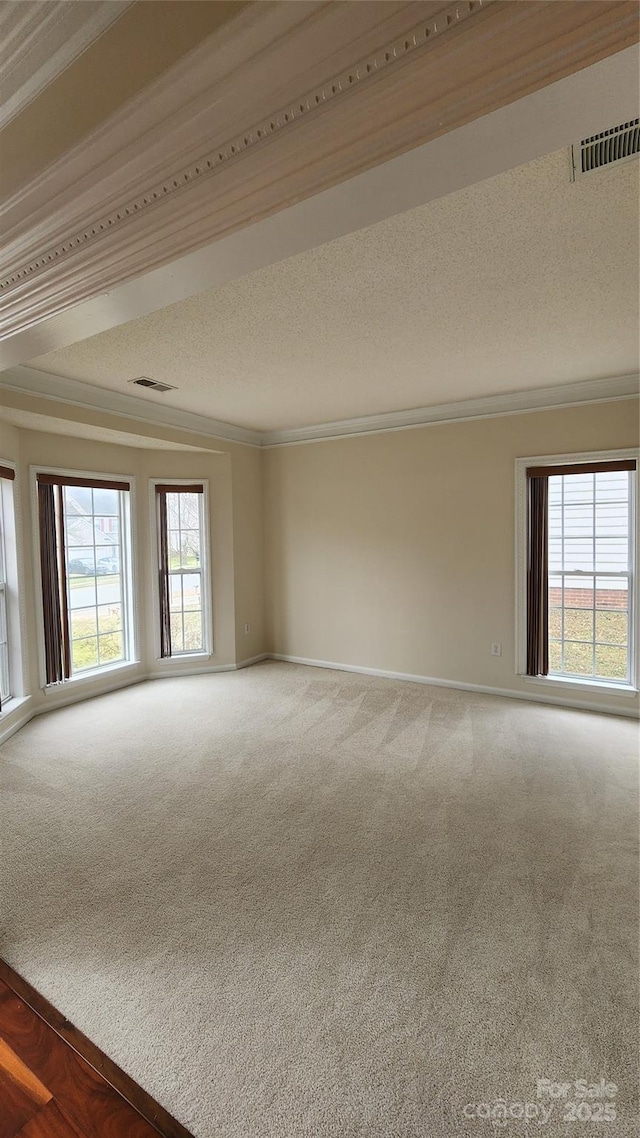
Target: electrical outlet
{"type": "Point", "coordinates": [496, 649]}
{"type": "Point", "coordinates": [247, 629]}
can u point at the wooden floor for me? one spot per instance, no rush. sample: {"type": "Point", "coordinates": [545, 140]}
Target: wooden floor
{"type": "Point", "coordinates": [54, 1083]}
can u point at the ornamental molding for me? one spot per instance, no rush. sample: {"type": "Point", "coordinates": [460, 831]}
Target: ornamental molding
{"type": "Point", "coordinates": [177, 168]}
{"type": "Point", "coordinates": [257, 135]}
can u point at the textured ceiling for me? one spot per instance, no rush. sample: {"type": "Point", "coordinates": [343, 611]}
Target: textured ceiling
{"type": "Point", "coordinates": [526, 280]}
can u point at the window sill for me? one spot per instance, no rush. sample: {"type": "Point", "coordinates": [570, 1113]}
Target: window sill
{"type": "Point", "coordinates": [91, 677]}
{"type": "Point", "coordinates": [184, 656]}
{"type": "Point", "coordinates": [582, 685]}
{"type": "Point", "coordinates": [12, 706]}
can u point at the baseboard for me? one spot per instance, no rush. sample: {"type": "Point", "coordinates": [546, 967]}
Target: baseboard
{"type": "Point", "coordinates": [458, 685]}
{"type": "Point", "coordinates": [252, 660]}
{"type": "Point", "coordinates": [176, 673]}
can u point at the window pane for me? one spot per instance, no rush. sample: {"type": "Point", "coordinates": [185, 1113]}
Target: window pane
{"type": "Point", "coordinates": [612, 627]}
{"type": "Point", "coordinates": [177, 643]}
{"type": "Point", "coordinates": [555, 656]}
{"type": "Point", "coordinates": [190, 548]}
{"type": "Point", "coordinates": [612, 486]}
{"type": "Point", "coordinates": [611, 663]}
{"type": "Point", "coordinates": [193, 631]}
{"type": "Point", "coordinates": [578, 659]}
{"type": "Point", "coordinates": [578, 488]}
{"type": "Point", "coordinates": [111, 647]}
{"type": "Point", "coordinates": [612, 555]}
{"type": "Point", "coordinates": [578, 592]}
{"type": "Point", "coordinates": [109, 589]}
{"type": "Point", "coordinates": [189, 511]}
{"type": "Point", "coordinates": [81, 561]}
{"type": "Point", "coordinates": [578, 624]}
{"type": "Point", "coordinates": [555, 622]}
{"type": "Point", "coordinates": [555, 554]}
{"type": "Point", "coordinates": [175, 593]}
{"type": "Point", "coordinates": [84, 654]}
{"type": "Point", "coordinates": [109, 618]}
{"type": "Point", "coordinates": [81, 592]}
{"type": "Point", "coordinates": [191, 590]}
{"type": "Point", "coordinates": [83, 623]}
{"type": "Point", "coordinates": [77, 500]}
{"type": "Point", "coordinates": [174, 549]}
{"type": "Point", "coordinates": [106, 502]}
{"type": "Point", "coordinates": [612, 593]}
{"type": "Point", "coordinates": [578, 554]}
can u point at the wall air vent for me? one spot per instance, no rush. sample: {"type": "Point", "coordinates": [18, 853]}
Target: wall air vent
{"type": "Point", "coordinates": [610, 147]}
{"type": "Point", "coordinates": [144, 381]}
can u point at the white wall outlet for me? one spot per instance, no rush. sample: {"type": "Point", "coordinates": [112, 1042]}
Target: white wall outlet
{"type": "Point", "coordinates": [496, 649]}
{"type": "Point", "coordinates": [247, 629]}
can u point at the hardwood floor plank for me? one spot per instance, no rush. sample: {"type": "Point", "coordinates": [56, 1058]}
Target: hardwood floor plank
{"type": "Point", "coordinates": [86, 1098]}
{"type": "Point", "coordinates": [83, 1095]}
{"type": "Point", "coordinates": [20, 1073]}
{"type": "Point", "coordinates": [50, 1122]}
{"type": "Point", "coordinates": [159, 1118]}
{"type": "Point", "coordinates": [16, 1107]}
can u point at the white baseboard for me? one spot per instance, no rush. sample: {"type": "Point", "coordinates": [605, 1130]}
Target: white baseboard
{"type": "Point", "coordinates": [252, 660]}
{"type": "Point", "coordinates": [532, 697]}
{"type": "Point", "coordinates": [14, 722]}
{"type": "Point", "coordinates": [175, 673]}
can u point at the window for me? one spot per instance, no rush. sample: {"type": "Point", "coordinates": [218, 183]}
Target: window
{"type": "Point", "coordinates": [182, 576]}
{"type": "Point", "coordinates": [7, 475]}
{"type": "Point", "coordinates": [580, 581]}
{"type": "Point", "coordinates": [85, 563]}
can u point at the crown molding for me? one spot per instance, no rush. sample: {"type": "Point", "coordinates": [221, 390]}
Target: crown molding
{"type": "Point", "coordinates": [538, 399]}
{"type": "Point", "coordinates": [59, 389]}
{"type": "Point", "coordinates": [138, 193]}
{"type": "Point", "coordinates": [43, 42]}
{"type": "Point", "coordinates": [258, 134]}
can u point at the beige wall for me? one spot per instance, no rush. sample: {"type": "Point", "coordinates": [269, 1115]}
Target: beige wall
{"type": "Point", "coordinates": [392, 551]}
{"type": "Point", "coordinates": [235, 522]}
{"type": "Point", "coordinates": [248, 565]}
{"type": "Point", "coordinates": [396, 551]}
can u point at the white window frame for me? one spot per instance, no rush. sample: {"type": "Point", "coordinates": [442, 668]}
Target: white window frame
{"type": "Point", "coordinates": [128, 534]}
{"type": "Point", "coordinates": [205, 572]}
{"type": "Point", "coordinates": [14, 595]}
{"type": "Point", "coordinates": [567, 682]}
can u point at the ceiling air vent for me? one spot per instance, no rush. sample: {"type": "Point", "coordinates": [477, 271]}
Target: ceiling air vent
{"type": "Point", "coordinates": [144, 381]}
{"type": "Point", "coordinates": [610, 147]}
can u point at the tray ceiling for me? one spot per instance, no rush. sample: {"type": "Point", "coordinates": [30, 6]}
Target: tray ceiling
{"type": "Point", "coordinates": [523, 281]}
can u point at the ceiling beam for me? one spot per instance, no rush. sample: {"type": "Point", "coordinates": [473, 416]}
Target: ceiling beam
{"type": "Point", "coordinates": [159, 181]}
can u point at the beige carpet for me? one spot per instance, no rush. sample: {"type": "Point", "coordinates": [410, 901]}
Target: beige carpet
{"type": "Point", "coordinates": [296, 902]}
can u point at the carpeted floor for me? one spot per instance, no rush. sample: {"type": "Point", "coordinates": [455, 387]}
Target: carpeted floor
{"type": "Point", "coordinates": [295, 902]}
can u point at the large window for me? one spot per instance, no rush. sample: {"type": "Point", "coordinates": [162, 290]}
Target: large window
{"type": "Point", "coordinates": [580, 579]}
{"type": "Point", "coordinates": [85, 561]}
{"type": "Point", "coordinates": [590, 575]}
{"type": "Point", "coordinates": [182, 577]}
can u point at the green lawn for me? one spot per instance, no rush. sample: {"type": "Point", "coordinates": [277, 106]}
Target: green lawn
{"type": "Point", "coordinates": [84, 646]}
{"type": "Point", "coordinates": [611, 657]}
